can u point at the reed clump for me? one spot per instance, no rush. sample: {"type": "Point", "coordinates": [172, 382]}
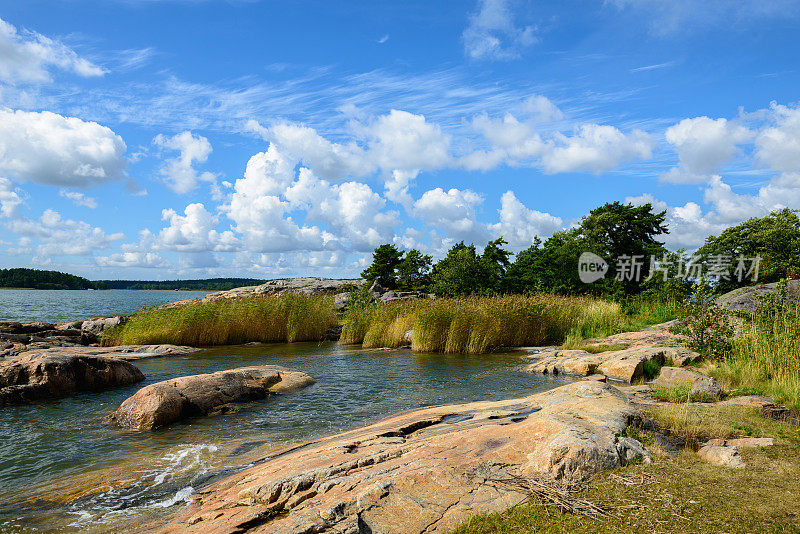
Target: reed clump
{"type": "Point", "coordinates": [765, 358]}
{"type": "Point", "coordinates": [477, 325]}
{"type": "Point", "coordinates": [268, 319]}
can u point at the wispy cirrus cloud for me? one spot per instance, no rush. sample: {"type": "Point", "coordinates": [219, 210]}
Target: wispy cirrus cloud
{"type": "Point", "coordinates": [30, 57]}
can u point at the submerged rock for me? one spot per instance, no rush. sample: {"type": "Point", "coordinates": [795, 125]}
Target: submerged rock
{"type": "Point", "coordinates": [31, 377]}
{"type": "Point", "coordinates": [166, 402]}
{"type": "Point", "coordinates": [423, 471]}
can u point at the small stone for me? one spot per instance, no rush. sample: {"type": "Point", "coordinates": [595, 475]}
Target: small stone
{"type": "Point", "coordinates": [722, 456]}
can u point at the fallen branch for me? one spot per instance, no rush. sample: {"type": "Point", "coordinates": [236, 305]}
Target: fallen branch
{"type": "Point", "coordinates": [551, 491]}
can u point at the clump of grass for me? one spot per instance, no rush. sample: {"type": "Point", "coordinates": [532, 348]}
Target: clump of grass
{"type": "Point", "coordinates": [641, 312]}
{"type": "Point", "coordinates": [269, 319]}
{"type": "Point", "coordinates": [765, 358]}
{"type": "Point", "coordinates": [651, 368]}
{"type": "Point", "coordinates": [681, 394]}
{"type": "Point", "coordinates": [699, 424]}
{"type": "Point", "coordinates": [576, 342]}
{"type": "Point", "coordinates": [480, 324]}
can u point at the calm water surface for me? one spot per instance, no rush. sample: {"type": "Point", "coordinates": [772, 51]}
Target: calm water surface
{"type": "Point", "coordinates": [28, 305]}
{"type": "Point", "coordinates": [62, 469]}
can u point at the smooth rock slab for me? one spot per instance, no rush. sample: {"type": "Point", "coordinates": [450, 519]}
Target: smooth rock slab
{"type": "Point", "coordinates": [675, 377]}
{"type": "Point", "coordinates": [167, 402]}
{"type": "Point", "coordinates": [31, 377]}
{"type": "Point", "coordinates": [422, 471]}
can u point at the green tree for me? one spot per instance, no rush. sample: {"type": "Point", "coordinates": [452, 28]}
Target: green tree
{"type": "Point", "coordinates": [385, 260]}
{"type": "Point", "coordinates": [775, 238]}
{"type": "Point", "coordinates": [413, 272]}
{"type": "Point", "coordinates": [611, 231]}
{"type": "Point", "coordinates": [463, 272]}
{"type": "Point", "coordinates": [550, 266]}
{"type": "Point", "coordinates": [497, 256]}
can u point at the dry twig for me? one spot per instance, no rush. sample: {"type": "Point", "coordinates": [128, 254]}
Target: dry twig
{"type": "Point", "coordinates": [551, 491]}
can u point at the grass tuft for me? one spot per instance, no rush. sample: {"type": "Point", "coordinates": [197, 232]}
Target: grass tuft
{"type": "Point", "coordinates": [681, 394]}
{"type": "Point", "coordinates": [699, 424]}
{"type": "Point", "coordinates": [269, 319]}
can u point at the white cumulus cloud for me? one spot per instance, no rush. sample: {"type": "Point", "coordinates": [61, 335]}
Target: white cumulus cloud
{"type": "Point", "coordinates": [179, 172]}
{"type": "Point", "coordinates": [453, 211]}
{"type": "Point", "coordinates": [595, 148]}
{"type": "Point", "coordinates": [79, 199]}
{"type": "Point", "coordinates": [132, 259]}
{"type": "Point", "coordinates": [57, 236]}
{"type": "Point", "coordinates": [10, 201]}
{"type": "Point", "coordinates": [778, 146]}
{"type": "Point", "coordinates": [703, 145]}
{"type": "Point", "coordinates": [50, 149]}
{"type": "Point", "coordinates": [520, 225]}
{"type": "Point", "coordinates": [194, 231]}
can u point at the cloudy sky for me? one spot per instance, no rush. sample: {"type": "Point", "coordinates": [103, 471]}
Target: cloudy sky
{"type": "Point", "coordinates": [162, 139]}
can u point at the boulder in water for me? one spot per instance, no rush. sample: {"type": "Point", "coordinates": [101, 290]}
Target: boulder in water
{"type": "Point", "coordinates": [167, 402]}
{"type": "Point", "coordinates": [31, 377]}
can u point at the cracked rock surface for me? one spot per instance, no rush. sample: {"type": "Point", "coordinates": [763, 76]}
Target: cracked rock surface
{"type": "Point", "coordinates": [167, 402]}
{"type": "Point", "coordinates": [422, 471]}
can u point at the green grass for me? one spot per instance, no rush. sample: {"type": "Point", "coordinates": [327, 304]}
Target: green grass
{"type": "Point", "coordinates": [681, 394]}
{"type": "Point", "coordinates": [480, 324]}
{"type": "Point", "coordinates": [643, 312]}
{"type": "Point", "coordinates": [765, 359]}
{"type": "Point", "coordinates": [574, 341]}
{"type": "Point", "coordinates": [284, 318]}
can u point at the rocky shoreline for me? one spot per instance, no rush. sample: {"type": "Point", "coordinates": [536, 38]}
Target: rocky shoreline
{"type": "Point", "coordinates": [427, 470]}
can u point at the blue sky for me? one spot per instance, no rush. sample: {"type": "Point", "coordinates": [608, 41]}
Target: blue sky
{"type": "Point", "coordinates": [162, 139]}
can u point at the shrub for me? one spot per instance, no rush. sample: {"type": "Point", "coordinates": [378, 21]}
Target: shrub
{"type": "Point", "coordinates": [708, 328]}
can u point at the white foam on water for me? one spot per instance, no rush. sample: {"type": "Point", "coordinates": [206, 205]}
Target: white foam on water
{"type": "Point", "coordinates": [83, 517]}
{"type": "Point", "coordinates": [188, 458]}
{"type": "Point", "coordinates": [182, 495]}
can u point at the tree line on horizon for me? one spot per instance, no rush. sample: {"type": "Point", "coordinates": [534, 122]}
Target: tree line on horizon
{"type": "Point", "coordinates": [38, 279]}
{"type": "Point", "coordinates": [614, 230]}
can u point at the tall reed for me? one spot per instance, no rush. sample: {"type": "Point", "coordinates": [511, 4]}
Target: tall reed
{"type": "Point", "coordinates": [284, 318]}
{"type": "Point", "coordinates": [765, 358]}
{"type": "Point", "coordinates": [480, 324]}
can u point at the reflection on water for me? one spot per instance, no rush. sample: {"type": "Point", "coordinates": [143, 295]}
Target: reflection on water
{"type": "Point", "coordinates": [62, 469]}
